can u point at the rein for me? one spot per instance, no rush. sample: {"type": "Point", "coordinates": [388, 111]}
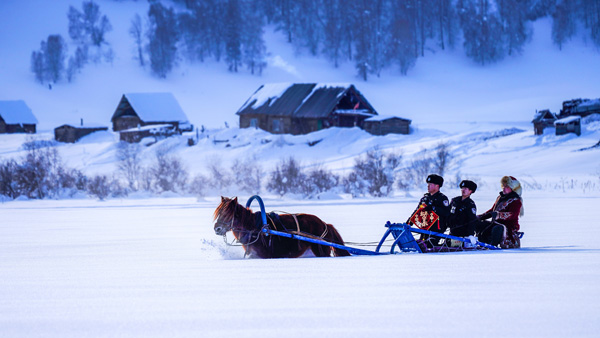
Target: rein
{"type": "Point", "coordinates": [243, 231]}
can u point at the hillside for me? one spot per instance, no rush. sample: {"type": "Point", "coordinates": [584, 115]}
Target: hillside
{"type": "Point", "coordinates": [443, 87]}
{"type": "Point", "coordinates": [447, 96]}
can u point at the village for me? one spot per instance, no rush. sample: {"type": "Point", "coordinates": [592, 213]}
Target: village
{"type": "Point", "coordinates": [278, 108]}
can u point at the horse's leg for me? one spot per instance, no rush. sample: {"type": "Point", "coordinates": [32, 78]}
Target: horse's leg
{"type": "Point", "coordinates": [321, 250]}
{"type": "Point", "coordinates": [334, 236]}
{"type": "Point", "coordinates": [320, 228]}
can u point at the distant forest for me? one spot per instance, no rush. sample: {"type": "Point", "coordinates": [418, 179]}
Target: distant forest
{"type": "Point", "coordinates": [371, 34]}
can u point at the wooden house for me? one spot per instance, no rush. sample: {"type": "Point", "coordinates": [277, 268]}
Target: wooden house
{"type": "Point", "coordinates": [543, 119]}
{"type": "Point", "coordinates": [301, 108]}
{"type": "Point", "coordinates": [16, 117]}
{"type": "Point", "coordinates": [588, 107]}
{"type": "Point", "coordinates": [144, 109]}
{"type": "Point", "coordinates": [571, 124]}
{"type": "Point", "coordinates": [71, 133]}
{"type": "Point", "coordinates": [383, 125]}
{"type": "Point", "coordinates": [580, 107]}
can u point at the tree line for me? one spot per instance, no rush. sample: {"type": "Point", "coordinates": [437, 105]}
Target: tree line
{"type": "Point", "coordinates": [373, 35]}
{"type": "Point", "coordinates": [41, 173]}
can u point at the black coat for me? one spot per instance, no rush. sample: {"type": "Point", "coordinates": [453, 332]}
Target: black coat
{"type": "Point", "coordinates": [439, 204]}
{"type": "Point", "coordinates": [463, 217]}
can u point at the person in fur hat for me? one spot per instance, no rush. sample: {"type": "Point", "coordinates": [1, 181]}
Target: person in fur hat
{"type": "Point", "coordinates": [505, 212]}
{"type": "Point", "coordinates": [463, 211]}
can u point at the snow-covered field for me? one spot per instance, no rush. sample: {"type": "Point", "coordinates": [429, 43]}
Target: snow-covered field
{"type": "Point", "coordinates": [155, 268]}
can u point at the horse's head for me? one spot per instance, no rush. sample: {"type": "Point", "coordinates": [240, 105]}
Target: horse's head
{"type": "Point", "coordinates": [225, 215]}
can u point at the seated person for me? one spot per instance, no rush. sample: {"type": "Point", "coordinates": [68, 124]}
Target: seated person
{"type": "Point", "coordinates": [503, 228]}
{"type": "Point", "coordinates": [434, 201]}
{"type": "Point", "coordinates": [463, 211]}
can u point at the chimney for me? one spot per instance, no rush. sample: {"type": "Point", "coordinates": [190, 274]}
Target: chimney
{"type": "Point", "coordinates": [82, 122]}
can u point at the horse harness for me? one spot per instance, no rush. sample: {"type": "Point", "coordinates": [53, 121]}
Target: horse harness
{"type": "Point", "coordinates": [273, 220]}
{"type": "Point", "coordinates": [274, 217]}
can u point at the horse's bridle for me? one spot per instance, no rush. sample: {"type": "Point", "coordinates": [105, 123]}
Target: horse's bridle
{"type": "Point", "coordinates": [228, 226]}
{"type": "Point", "coordinates": [220, 225]}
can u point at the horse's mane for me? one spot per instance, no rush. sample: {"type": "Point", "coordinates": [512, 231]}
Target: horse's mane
{"type": "Point", "coordinates": [223, 209]}
{"type": "Point", "coordinates": [227, 209]}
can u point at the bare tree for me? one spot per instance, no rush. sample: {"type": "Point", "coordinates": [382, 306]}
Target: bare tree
{"type": "Point", "coordinates": [247, 175]}
{"type": "Point", "coordinates": [130, 163]}
{"type": "Point", "coordinates": [373, 173]}
{"type": "Point", "coordinates": [319, 180]}
{"type": "Point", "coordinates": [442, 158]}
{"type": "Point", "coordinates": [136, 32]}
{"type": "Point", "coordinates": [49, 62]}
{"type": "Point", "coordinates": [219, 177]}
{"type": "Point", "coordinates": [168, 172]}
{"type": "Point", "coordinates": [99, 186]}
{"type": "Point", "coordinates": [287, 177]}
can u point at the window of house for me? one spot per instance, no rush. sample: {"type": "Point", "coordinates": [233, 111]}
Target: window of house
{"type": "Point", "coordinates": [276, 126]}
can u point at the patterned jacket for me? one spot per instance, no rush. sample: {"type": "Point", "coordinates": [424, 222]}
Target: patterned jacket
{"type": "Point", "coordinates": [508, 206]}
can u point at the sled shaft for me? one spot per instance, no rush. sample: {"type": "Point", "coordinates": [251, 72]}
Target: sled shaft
{"type": "Point", "coordinates": [354, 251]}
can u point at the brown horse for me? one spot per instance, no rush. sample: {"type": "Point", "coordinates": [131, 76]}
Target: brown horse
{"type": "Point", "coordinates": [246, 227]}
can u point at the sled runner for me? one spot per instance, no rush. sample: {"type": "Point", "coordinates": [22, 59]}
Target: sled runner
{"type": "Point", "coordinates": [261, 235]}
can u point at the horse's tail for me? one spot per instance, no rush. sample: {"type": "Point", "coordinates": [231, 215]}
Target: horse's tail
{"type": "Point", "coordinates": [337, 239]}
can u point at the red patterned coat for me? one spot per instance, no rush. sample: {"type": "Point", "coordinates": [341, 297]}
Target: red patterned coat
{"type": "Point", "coordinates": [508, 208]}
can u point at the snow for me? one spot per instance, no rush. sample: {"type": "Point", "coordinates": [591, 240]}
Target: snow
{"type": "Point", "coordinates": [567, 120]}
{"type": "Point", "coordinates": [154, 268]}
{"type": "Point", "coordinates": [156, 107]}
{"type": "Point", "coordinates": [16, 112]}
{"type": "Point", "coordinates": [85, 125]}
{"type": "Point", "coordinates": [150, 127]}
{"type": "Point", "coordinates": [149, 266]}
{"type": "Point", "coordinates": [382, 118]}
{"type": "Point", "coordinates": [589, 105]}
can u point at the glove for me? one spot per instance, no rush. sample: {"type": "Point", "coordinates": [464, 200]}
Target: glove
{"type": "Point", "coordinates": [494, 215]}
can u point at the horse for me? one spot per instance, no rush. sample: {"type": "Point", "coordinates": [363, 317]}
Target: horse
{"type": "Point", "coordinates": [246, 228]}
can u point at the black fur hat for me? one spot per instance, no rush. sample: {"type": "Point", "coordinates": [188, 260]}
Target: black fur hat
{"type": "Point", "coordinates": [435, 179]}
{"type": "Point", "coordinates": [468, 184]}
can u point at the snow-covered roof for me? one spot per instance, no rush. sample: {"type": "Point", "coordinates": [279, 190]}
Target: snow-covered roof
{"type": "Point", "coordinates": [588, 105]}
{"type": "Point", "coordinates": [149, 127]}
{"type": "Point", "coordinates": [269, 92]}
{"type": "Point", "coordinates": [16, 112]}
{"type": "Point", "coordinates": [543, 115]}
{"type": "Point", "coordinates": [85, 125]}
{"type": "Point", "coordinates": [302, 100]}
{"type": "Point", "coordinates": [154, 107]}
{"type": "Point", "coordinates": [568, 119]}
{"type": "Point", "coordinates": [362, 112]}
{"type": "Point", "coordinates": [384, 118]}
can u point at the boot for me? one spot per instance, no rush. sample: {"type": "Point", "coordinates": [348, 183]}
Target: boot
{"type": "Point", "coordinates": [497, 234]}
